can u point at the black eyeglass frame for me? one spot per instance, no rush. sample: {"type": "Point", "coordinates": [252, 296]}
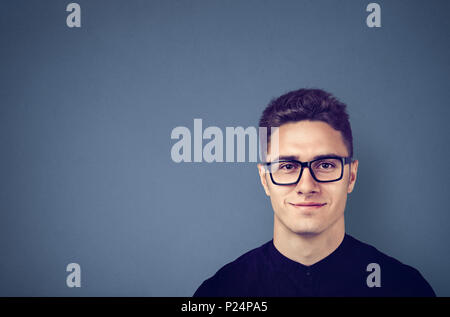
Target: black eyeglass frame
{"type": "Point", "coordinates": [344, 161]}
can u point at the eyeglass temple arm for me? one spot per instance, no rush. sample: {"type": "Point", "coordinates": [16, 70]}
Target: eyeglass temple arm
{"type": "Point", "coordinates": [347, 159]}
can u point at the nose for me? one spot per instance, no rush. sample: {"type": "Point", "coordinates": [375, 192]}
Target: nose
{"type": "Point", "coordinates": [306, 184]}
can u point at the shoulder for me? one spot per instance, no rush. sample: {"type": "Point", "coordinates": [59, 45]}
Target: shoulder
{"type": "Point", "coordinates": [234, 277]}
{"type": "Point", "coordinates": [399, 278]}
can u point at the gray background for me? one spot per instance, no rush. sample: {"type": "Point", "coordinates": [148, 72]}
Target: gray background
{"type": "Point", "coordinates": [86, 115]}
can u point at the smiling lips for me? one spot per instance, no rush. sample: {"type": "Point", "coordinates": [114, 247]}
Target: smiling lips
{"type": "Point", "coordinates": [309, 205]}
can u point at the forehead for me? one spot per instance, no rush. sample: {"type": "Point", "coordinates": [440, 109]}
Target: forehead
{"type": "Point", "coordinates": [306, 139]}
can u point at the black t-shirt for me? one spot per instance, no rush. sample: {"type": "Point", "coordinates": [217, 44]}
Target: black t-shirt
{"type": "Point", "coordinates": [353, 269]}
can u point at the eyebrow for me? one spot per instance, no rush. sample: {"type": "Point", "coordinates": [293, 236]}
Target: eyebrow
{"type": "Point", "coordinates": [296, 158]}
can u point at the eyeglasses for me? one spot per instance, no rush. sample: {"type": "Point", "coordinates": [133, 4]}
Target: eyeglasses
{"type": "Point", "coordinates": [323, 170]}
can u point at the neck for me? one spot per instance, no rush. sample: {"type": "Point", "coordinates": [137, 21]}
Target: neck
{"type": "Point", "coordinates": [308, 248]}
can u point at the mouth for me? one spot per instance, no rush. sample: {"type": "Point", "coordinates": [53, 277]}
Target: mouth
{"type": "Point", "coordinates": [309, 205]}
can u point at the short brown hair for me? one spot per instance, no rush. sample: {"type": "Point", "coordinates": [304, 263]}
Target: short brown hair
{"type": "Point", "coordinates": [312, 105]}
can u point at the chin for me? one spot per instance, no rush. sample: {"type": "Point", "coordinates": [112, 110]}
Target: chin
{"type": "Point", "coordinates": [307, 230]}
{"type": "Point", "coordinates": [301, 225]}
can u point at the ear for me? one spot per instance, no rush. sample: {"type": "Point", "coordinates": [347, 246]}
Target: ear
{"type": "Point", "coordinates": [353, 174]}
{"type": "Point", "coordinates": [262, 176]}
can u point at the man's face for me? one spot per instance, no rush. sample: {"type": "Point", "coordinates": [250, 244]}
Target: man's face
{"type": "Point", "coordinates": [306, 140]}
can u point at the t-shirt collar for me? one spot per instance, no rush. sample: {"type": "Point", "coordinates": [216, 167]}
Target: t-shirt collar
{"type": "Point", "coordinates": [282, 263]}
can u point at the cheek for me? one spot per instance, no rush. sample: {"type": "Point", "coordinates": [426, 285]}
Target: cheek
{"type": "Point", "coordinates": [278, 194]}
{"type": "Point", "coordinates": [337, 196]}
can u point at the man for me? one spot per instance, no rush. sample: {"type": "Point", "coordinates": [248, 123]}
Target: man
{"type": "Point", "coordinates": [308, 180]}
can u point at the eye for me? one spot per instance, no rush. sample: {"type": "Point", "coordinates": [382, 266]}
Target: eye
{"type": "Point", "coordinates": [326, 165]}
{"type": "Point", "coordinates": [288, 166]}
